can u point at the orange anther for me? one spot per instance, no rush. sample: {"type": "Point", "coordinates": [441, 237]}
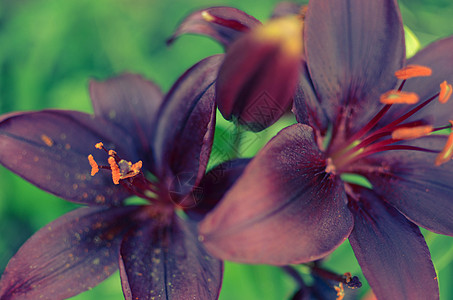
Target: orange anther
{"type": "Point", "coordinates": [116, 175]}
{"type": "Point", "coordinates": [93, 164]}
{"type": "Point", "coordinates": [411, 132]}
{"type": "Point", "coordinates": [99, 145]}
{"type": "Point", "coordinates": [446, 153]}
{"type": "Point", "coordinates": [411, 71]}
{"type": "Point", "coordinates": [112, 153]}
{"type": "Point", "coordinates": [136, 167]}
{"type": "Point", "coordinates": [398, 97]}
{"type": "Point", "coordinates": [340, 291]}
{"type": "Point", "coordinates": [445, 92]}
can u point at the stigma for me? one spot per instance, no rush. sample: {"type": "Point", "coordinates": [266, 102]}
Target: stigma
{"type": "Point", "coordinates": [120, 168]}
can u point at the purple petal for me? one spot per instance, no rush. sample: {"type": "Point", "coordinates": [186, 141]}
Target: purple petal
{"type": "Point", "coordinates": [285, 8]}
{"type": "Point", "coordinates": [50, 149]}
{"type": "Point", "coordinates": [168, 262]}
{"type": "Point", "coordinates": [259, 77]}
{"type": "Point", "coordinates": [130, 102]}
{"type": "Point", "coordinates": [306, 107]}
{"type": "Point", "coordinates": [283, 209]}
{"type": "Point", "coordinates": [439, 57]}
{"type": "Point", "coordinates": [391, 251]}
{"type": "Point", "coordinates": [68, 256]}
{"type": "Point", "coordinates": [184, 132]}
{"type": "Point", "coordinates": [353, 48]}
{"type": "Point", "coordinates": [213, 186]}
{"type": "Point", "coordinates": [411, 182]}
{"type": "Point", "coordinates": [224, 24]}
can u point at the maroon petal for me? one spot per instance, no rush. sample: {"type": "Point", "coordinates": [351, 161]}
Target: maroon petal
{"type": "Point", "coordinates": [168, 262]}
{"type": "Point", "coordinates": [285, 8]}
{"type": "Point", "coordinates": [283, 209]}
{"type": "Point", "coordinates": [50, 149]}
{"type": "Point", "coordinates": [260, 73]}
{"type": "Point", "coordinates": [391, 251]}
{"type": "Point", "coordinates": [68, 256]}
{"type": "Point", "coordinates": [184, 132]}
{"type": "Point", "coordinates": [224, 24]}
{"type": "Point", "coordinates": [130, 102]}
{"type": "Point", "coordinates": [353, 48]}
{"type": "Point", "coordinates": [213, 187]}
{"type": "Point", "coordinates": [411, 182]}
{"type": "Point", "coordinates": [439, 57]}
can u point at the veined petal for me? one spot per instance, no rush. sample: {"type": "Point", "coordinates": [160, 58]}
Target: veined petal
{"type": "Point", "coordinates": [214, 185]}
{"type": "Point", "coordinates": [130, 102]}
{"type": "Point", "coordinates": [68, 256]}
{"type": "Point", "coordinates": [260, 73]}
{"type": "Point", "coordinates": [223, 24]}
{"type": "Point", "coordinates": [286, 8]}
{"type": "Point", "coordinates": [50, 149]}
{"type": "Point", "coordinates": [410, 181]}
{"type": "Point", "coordinates": [168, 262]}
{"type": "Point", "coordinates": [353, 48]}
{"type": "Point", "coordinates": [391, 251]}
{"type": "Point", "coordinates": [283, 209]}
{"type": "Point", "coordinates": [438, 56]}
{"type": "Point", "coordinates": [185, 128]}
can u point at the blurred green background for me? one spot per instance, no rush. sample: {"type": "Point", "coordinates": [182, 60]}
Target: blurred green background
{"type": "Point", "coordinates": [50, 48]}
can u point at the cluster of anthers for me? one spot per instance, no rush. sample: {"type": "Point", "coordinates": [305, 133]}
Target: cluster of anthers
{"type": "Point", "coordinates": [366, 142]}
{"type": "Point", "coordinates": [120, 168]}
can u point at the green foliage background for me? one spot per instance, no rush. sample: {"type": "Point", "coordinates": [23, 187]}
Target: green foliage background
{"type": "Point", "coordinates": [50, 48]}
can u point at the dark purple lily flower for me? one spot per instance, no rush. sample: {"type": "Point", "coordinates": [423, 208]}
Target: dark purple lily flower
{"type": "Point", "coordinates": [156, 148]}
{"type": "Point", "coordinates": [296, 201]}
{"type": "Point", "coordinates": [260, 72]}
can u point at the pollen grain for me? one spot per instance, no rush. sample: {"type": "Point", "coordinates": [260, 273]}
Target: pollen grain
{"type": "Point", "coordinates": [47, 140]}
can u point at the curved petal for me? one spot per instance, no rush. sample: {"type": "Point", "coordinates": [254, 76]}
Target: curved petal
{"type": "Point", "coordinates": [439, 57]}
{"type": "Point", "coordinates": [283, 209]}
{"type": "Point", "coordinates": [391, 251]}
{"type": "Point", "coordinates": [286, 8]}
{"type": "Point", "coordinates": [213, 186]}
{"type": "Point", "coordinates": [168, 262]}
{"type": "Point", "coordinates": [130, 102]}
{"type": "Point", "coordinates": [185, 128]}
{"type": "Point", "coordinates": [260, 73]}
{"type": "Point", "coordinates": [223, 24]}
{"type": "Point", "coordinates": [411, 182]}
{"type": "Point", "coordinates": [50, 149]}
{"type": "Point", "coordinates": [68, 256]}
{"type": "Point", "coordinates": [353, 48]}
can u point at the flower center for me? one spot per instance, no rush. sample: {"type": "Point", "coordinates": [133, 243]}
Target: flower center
{"type": "Point", "coordinates": [127, 174]}
{"type": "Point", "coordinates": [392, 136]}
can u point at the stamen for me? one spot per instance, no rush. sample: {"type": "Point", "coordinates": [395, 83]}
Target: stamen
{"type": "Point", "coordinates": [340, 291]}
{"type": "Point", "coordinates": [411, 71]}
{"type": "Point", "coordinates": [93, 164]}
{"type": "Point", "coordinates": [116, 175]}
{"type": "Point", "coordinates": [412, 132]}
{"type": "Point", "coordinates": [446, 153]}
{"type": "Point", "coordinates": [399, 97]}
{"type": "Point", "coordinates": [99, 145]}
{"type": "Point", "coordinates": [445, 92]}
